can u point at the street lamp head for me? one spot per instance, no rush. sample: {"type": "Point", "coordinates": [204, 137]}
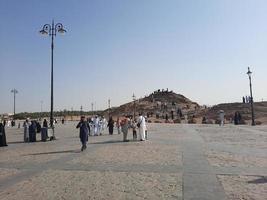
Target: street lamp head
{"type": "Point", "coordinates": [46, 29]}
{"type": "Point", "coordinates": [62, 31]}
{"type": "Point", "coordinates": [43, 32]}
{"type": "Point", "coordinates": [14, 91]}
{"type": "Point", "coordinates": [249, 72]}
{"type": "Point", "coordinates": [59, 28]}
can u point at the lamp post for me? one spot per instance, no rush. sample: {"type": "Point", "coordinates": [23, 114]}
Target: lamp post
{"type": "Point", "coordinates": [81, 112]}
{"type": "Point", "coordinates": [109, 107]}
{"type": "Point", "coordinates": [41, 114]}
{"type": "Point", "coordinates": [134, 99]}
{"type": "Point", "coordinates": [52, 30]}
{"type": "Point", "coordinates": [92, 107]}
{"type": "Point", "coordinates": [14, 91]}
{"type": "Point", "coordinates": [251, 98]}
{"type": "Point", "coordinates": [71, 113]}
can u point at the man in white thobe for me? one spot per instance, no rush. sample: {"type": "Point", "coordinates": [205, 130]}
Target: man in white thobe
{"type": "Point", "coordinates": [96, 125]}
{"type": "Point", "coordinates": [142, 127]}
{"type": "Point", "coordinates": [221, 116]}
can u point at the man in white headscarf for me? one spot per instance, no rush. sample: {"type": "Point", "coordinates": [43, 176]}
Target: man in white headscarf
{"type": "Point", "coordinates": [141, 124]}
{"type": "Point", "coordinates": [221, 117]}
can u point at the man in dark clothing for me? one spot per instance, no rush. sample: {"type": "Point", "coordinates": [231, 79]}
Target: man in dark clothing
{"type": "Point", "coordinates": [237, 118]}
{"type": "Point", "coordinates": [110, 126]}
{"type": "Point", "coordinates": [32, 131]}
{"type": "Point", "coordinates": [45, 125]}
{"type": "Point", "coordinates": [2, 135]}
{"type": "Point", "coordinates": [84, 131]}
{"type": "Point", "coordinates": [166, 117]}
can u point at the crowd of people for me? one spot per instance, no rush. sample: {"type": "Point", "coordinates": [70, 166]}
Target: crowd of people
{"type": "Point", "coordinates": [96, 126]}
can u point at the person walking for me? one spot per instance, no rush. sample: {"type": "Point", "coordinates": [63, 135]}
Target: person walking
{"type": "Point", "coordinates": [110, 126]}
{"type": "Point", "coordinates": [84, 132]}
{"type": "Point", "coordinates": [142, 126]}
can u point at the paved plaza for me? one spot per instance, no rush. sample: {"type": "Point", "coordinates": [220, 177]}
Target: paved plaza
{"type": "Point", "coordinates": [179, 161]}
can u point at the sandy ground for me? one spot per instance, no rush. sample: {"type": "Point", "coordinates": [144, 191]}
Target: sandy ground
{"type": "Point", "coordinates": [134, 153]}
{"type": "Point", "coordinates": [4, 173]}
{"type": "Point", "coordinates": [97, 185]}
{"type": "Point", "coordinates": [227, 159]}
{"type": "Point", "coordinates": [245, 187]}
{"type": "Point", "coordinates": [58, 170]}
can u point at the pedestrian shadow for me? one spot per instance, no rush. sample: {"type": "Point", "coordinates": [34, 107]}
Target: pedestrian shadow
{"type": "Point", "coordinates": [114, 142]}
{"type": "Point", "coordinates": [20, 142]}
{"type": "Point", "coordinates": [53, 152]}
{"type": "Point", "coordinates": [16, 142]}
{"type": "Point", "coordinates": [260, 180]}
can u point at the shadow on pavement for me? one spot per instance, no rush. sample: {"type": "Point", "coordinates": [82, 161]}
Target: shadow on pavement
{"type": "Point", "coordinates": [53, 152]}
{"type": "Point", "coordinates": [113, 142]}
{"type": "Point", "coordinates": [20, 142]}
{"type": "Point", "coordinates": [16, 142]}
{"type": "Point", "coordinates": [260, 180]}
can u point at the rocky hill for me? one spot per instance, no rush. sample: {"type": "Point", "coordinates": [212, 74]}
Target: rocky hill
{"type": "Point", "coordinates": [157, 105]}
{"type": "Point", "coordinates": [163, 104]}
{"type": "Point", "coordinates": [260, 109]}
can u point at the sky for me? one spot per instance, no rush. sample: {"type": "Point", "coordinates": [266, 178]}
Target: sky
{"type": "Point", "coordinates": [114, 48]}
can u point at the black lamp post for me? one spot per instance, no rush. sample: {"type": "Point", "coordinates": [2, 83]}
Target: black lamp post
{"type": "Point", "coordinates": [109, 107]}
{"type": "Point", "coordinates": [92, 107]}
{"type": "Point", "coordinates": [134, 100]}
{"type": "Point", "coordinates": [52, 30]}
{"type": "Point", "coordinates": [81, 112]}
{"type": "Point", "coordinates": [14, 91]}
{"type": "Point", "coordinates": [251, 98]}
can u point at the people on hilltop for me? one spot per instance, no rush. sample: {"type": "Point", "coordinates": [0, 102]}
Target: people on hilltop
{"type": "Point", "coordinates": [84, 127]}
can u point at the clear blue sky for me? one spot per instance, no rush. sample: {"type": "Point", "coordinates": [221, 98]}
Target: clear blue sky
{"type": "Point", "coordinates": [114, 48]}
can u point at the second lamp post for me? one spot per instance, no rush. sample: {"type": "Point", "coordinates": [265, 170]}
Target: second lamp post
{"type": "Point", "coordinates": [251, 98]}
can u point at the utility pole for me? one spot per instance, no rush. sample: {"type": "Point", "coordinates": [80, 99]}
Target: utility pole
{"type": "Point", "coordinates": [14, 91]}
